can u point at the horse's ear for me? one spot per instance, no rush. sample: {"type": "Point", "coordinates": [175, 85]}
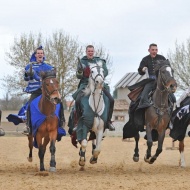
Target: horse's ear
{"type": "Point", "coordinates": [42, 74]}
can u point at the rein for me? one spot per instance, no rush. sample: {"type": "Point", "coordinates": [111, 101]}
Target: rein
{"type": "Point", "coordinates": [161, 110]}
{"type": "Point", "coordinates": [93, 93]}
{"type": "Point", "coordinates": [98, 68]}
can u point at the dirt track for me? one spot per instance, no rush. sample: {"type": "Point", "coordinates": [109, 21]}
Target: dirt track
{"type": "Point", "coordinates": [115, 168]}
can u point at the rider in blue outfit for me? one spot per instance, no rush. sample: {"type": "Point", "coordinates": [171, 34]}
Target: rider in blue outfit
{"type": "Point", "coordinates": [32, 76]}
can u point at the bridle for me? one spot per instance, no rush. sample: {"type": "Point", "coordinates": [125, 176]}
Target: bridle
{"type": "Point", "coordinates": [93, 93]}
{"type": "Point", "coordinates": [47, 92]}
{"type": "Point", "coordinates": [160, 110]}
{"type": "Point", "coordinates": [98, 69]}
{"type": "Point", "coordinates": [163, 81]}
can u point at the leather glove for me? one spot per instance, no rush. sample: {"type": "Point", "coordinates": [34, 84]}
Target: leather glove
{"type": "Point", "coordinates": [30, 72]}
{"type": "Point", "coordinates": [144, 69]}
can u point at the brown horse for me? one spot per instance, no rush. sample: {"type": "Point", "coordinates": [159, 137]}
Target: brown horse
{"type": "Point", "coordinates": [157, 116]}
{"type": "Point", "coordinates": [47, 132]}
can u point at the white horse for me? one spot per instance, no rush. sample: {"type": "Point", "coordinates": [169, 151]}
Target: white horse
{"type": "Point", "coordinates": [96, 101]}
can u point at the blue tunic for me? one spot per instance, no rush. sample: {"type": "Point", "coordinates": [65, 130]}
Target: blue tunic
{"type": "Point", "coordinates": [34, 82]}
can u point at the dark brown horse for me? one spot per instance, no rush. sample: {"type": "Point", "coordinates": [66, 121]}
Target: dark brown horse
{"type": "Point", "coordinates": [157, 116]}
{"type": "Point", "coordinates": [47, 132]}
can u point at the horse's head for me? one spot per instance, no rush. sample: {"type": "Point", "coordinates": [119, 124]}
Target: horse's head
{"type": "Point", "coordinates": [50, 86]}
{"type": "Point", "coordinates": [164, 74]}
{"type": "Point", "coordinates": [97, 74]}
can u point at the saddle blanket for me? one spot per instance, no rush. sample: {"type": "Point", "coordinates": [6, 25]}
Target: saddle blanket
{"type": "Point", "coordinates": [37, 118]}
{"type": "Point", "coordinates": [183, 111]}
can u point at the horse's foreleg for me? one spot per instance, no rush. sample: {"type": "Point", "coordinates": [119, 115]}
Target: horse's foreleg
{"type": "Point", "coordinates": [182, 157]}
{"type": "Point", "coordinates": [99, 135]}
{"type": "Point", "coordinates": [149, 143]}
{"type": "Point", "coordinates": [93, 145]}
{"type": "Point", "coordinates": [41, 151]}
{"type": "Point", "coordinates": [41, 156]}
{"type": "Point", "coordinates": [30, 145]}
{"type": "Point", "coordinates": [82, 152]}
{"type": "Point", "coordinates": [136, 155]}
{"type": "Point", "coordinates": [52, 161]}
{"type": "Point", "coordinates": [159, 149]}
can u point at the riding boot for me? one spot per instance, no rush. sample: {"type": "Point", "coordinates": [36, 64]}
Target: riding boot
{"type": "Point", "coordinates": [109, 124]}
{"type": "Point", "coordinates": [144, 102]}
{"type": "Point", "coordinates": [77, 104]}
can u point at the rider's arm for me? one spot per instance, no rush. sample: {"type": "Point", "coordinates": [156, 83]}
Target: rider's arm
{"type": "Point", "coordinates": [80, 70]}
{"type": "Point", "coordinates": [26, 76]}
{"type": "Point", "coordinates": [79, 74]}
{"type": "Point", "coordinates": [142, 65]}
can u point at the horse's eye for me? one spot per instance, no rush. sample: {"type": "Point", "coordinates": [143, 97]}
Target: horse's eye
{"type": "Point", "coordinates": [91, 71]}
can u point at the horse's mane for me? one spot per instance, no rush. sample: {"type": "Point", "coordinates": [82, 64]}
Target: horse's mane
{"type": "Point", "coordinates": [48, 74]}
{"type": "Point", "coordinates": [159, 64]}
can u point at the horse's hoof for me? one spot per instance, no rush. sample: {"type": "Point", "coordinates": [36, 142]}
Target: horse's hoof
{"type": "Point", "coordinates": [82, 161]}
{"type": "Point", "coordinates": [146, 159]}
{"type": "Point", "coordinates": [135, 159]}
{"type": "Point", "coordinates": [152, 159]}
{"type": "Point", "coordinates": [52, 169]}
{"type": "Point", "coordinates": [29, 159]}
{"type": "Point", "coordinates": [93, 160]}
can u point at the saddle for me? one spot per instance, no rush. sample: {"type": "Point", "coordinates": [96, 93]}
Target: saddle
{"type": "Point", "coordinates": [73, 120]}
{"type": "Point", "coordinates": [134, 94]}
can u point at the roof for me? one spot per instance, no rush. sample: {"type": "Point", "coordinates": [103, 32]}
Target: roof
{"type": "Point", "coordinates": [121, 105]}
{"type": "Point", "coordinates": [129, 79]}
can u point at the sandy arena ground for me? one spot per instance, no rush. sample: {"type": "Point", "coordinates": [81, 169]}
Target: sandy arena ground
{"type": "Point", "coordinates": [115, 168]}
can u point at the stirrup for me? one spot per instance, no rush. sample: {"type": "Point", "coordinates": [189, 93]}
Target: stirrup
{"type": "Point", "coordinates": [26, 131]}
{"type": "Point", "coordinates": [111, 127]}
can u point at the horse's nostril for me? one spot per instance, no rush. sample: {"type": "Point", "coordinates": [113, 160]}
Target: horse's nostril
{"type": "Point", "coordinates": [97, 82]}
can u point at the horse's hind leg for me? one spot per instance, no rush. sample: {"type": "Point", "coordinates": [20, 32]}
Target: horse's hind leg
{"type": "Point", "coordinates": [149, 144]}
{"type": "Point", "coordinates": [136, 155]}
{"type": "Point", "coordinates": [159, 149]}
{"type": "Point", "coordinates": [30, 145]}
{"type": "Point", "coordinates": [181, 150]}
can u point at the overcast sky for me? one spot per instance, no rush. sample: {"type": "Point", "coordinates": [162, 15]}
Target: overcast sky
{"type": "Point", "coordinates": [124, 28]}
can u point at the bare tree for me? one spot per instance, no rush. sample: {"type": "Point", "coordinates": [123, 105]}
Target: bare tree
{"type": "Point", "coordinates": [61, 51]}
{"type": "Point", "coordinates": [180, 61]}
